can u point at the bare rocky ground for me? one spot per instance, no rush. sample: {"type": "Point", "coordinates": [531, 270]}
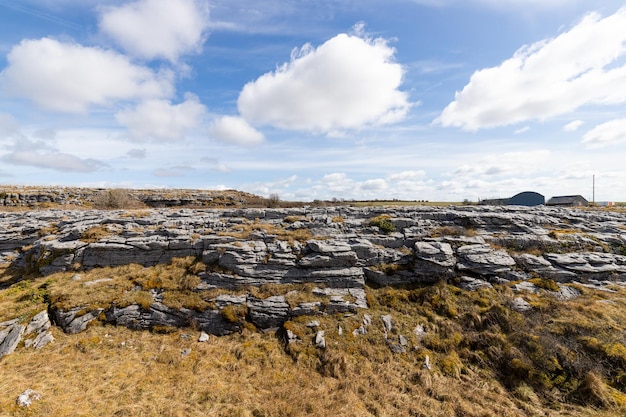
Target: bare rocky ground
{"type": "Point", "coordinates": [220, 271]}
{"type": "Point", "coordinates": [337, 251]}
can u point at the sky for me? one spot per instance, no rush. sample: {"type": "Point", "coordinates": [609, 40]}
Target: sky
{"type": "Point", "coordinates": [437, 100]}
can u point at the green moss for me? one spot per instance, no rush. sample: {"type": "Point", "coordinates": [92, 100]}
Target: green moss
{"type": "Point", "coordinates": [546, 284]}
{"type": "Point", "coordinates": [384, 224]}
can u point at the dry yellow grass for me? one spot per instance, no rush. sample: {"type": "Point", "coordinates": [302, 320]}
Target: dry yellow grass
{"type": "Point", "coordinates": [245, 230]}
{"type": "Point", "coordinates": [562, 359]}
{"type": "Point", "coordinates": [108, 371]}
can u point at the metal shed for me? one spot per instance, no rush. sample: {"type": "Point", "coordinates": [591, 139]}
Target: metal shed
{"type": "Point", "coordinates": [568, 201]}
{"type": "Point", "coordinates": [527, 198]}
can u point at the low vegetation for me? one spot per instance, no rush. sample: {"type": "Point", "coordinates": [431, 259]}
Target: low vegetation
{"type": "Point", "coordinates": [247, 229]}
{"type": "Point", "coordinates": [560, 359]}
{"type": "Point", "coordinates": [384, 223]}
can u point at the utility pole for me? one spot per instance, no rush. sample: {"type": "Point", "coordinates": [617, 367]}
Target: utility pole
{"type": "Point", "coordinates": [593, 196]}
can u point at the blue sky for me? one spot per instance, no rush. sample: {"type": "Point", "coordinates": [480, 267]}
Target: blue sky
{"type": "Point", "coordinates": [439, 100]}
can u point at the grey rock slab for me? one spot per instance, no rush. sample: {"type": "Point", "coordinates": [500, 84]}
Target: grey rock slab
{"type": "Point", "coordinates": [435, 252]}
{"type": "Point", "coordinates": [566, 293]}
{"type": "Point", "coordinates": [10, 338]}
{"type": "Point", "coordinates": [397, 349]}
{"type": "Point", "coordinates": [483, 260]}
{"type": "Point", "coordinates": [473, 284]}
{"type": "Point", "coordinates": [73, 323]}
{"type": "Point", "coordinates": [9, 323]}
{"type": "Point", "coordinates": [381, 278]}
{"type": "Point", "coordinates": [594, 263]}
{"type": "Point", "coordinates": [43, 338]}
{"type": "Point", "coordinates": [269, 312]}
{"type": "Point", "coordinates": [334, 260]}
{"type": "Point", "coordinates": [213, 322]}
{"type": "Point", "coordinates": [328, 247]}
{"type": "Point", "coordinates": [306, 309]}
{"type": "Point", "coordinates": [40, 322]}
{"type": "Point", "coordinates": [387, 322]}
{"type": "Point", "coordinates": [224, 300]}
{"type": "Point", "coordinates": [520, 305]}
{"type": "Point", "coordinates": [526, 286]}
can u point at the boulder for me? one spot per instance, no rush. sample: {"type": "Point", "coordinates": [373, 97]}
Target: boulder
{"type": "Point", "coordinates": [10, 337]}
{"type": "Point", "coordinates": [76, 319]}
{"type": "Point", "coordinates": [473, 284]}
{"type": "Point", "coordinates": [434, 261]}
{"type": "Point", "coordinates": [484, 260]}
{"type": "Point", "coordinates": [268, 313]}
{"type": "Point", "coordinates": [26, 398]}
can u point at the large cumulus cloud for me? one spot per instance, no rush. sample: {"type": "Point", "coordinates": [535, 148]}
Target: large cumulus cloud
{"type": "Point", "coordinates": [348, 82]}
{"type": "Point", "coordinates": [153, 29]}
{"type": "Point", "coordinates": [549, 78]}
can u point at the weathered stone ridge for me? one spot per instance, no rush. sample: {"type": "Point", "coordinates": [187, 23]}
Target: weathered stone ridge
{"type": "Point", "coordinates": [336, 250]}
{"type": "Point", "coordinates": [66, 196]}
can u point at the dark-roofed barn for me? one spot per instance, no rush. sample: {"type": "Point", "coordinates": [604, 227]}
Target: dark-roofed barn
{"type": "Point", "coordinates": [568, 201]}
{"type": "Point", "coordinates": [527, 198]}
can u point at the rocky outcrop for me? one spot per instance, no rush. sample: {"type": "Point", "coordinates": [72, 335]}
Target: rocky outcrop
{"type": "Point", "coordinates": [337, 250]}
{"type": "Point", "coordinates": [63, 196]}
{"type": "Point", "coordinates": [36, 334]}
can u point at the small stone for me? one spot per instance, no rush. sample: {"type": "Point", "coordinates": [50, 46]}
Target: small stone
{"type": "Point", "coordinates": [361, 330]}
{"type": "Point", "coordinates": [387, 322]}
{"type": "Point", "coordinates": [426, 364]}
{"type": "Point", "coordinates": [420, 332]}
{"type": "Point", "coordinates": [185, 336]}
{"type": "Point", "coordinates": [26, 398]}
{"type": "Point", "coordinates": [520, 305]}
{"type": "Point", "coordinates": [340, 330]}
{"type": "Point", "coordinates": [291, 336]}
{"type": "Point", "coordinates": [397, 348]}
{"type": "Point", "coordinates": [320, 342]}
{"type": "Point", "coordinates": [402, 340]}
{"type": "Point", "coordinates": [367, 319]}
{"type": "Point", "coordinates": [204, 337]}
{"type": "Point", "coordinates": [185, 352]}
{"type": "Point", "coordinates": [314, 323]}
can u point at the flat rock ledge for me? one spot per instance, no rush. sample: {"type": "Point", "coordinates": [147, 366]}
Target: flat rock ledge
{"type": "Point", "coordinates": [336, 250]}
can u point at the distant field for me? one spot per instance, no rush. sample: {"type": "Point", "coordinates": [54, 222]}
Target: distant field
{"type": "Point", "coordinates": [377, 203]}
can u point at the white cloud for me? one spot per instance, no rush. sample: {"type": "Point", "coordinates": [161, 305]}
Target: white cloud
{"type": "Point", "coordinates": [8, 125]}
{"type": "Point", "coordinates": [511, 163]}
{"type": "Point", "coordinates": [176, 171]}
{"type": "Point", "coordinates": [136, 153]}
{"type": "Point", "coordinates": [609, 133]}
{"type": "Point", "coordinates": [407, 176]}
{"type": "Point", "coordinates": [235, 130]}
{"type": "Point", "coordinates": [573, 126]}
{"type": "Point", "coordinates": [70, 77]}
{"type": "Point", "coordinates": [158, 28]}
{"type": "Point", "coordinates": [216, 165]}
{"type": "Point", "coordinates": [337, 182]}
{"type": "Point", "coordinates": [377, 184]}
{"type": "Point", "coordinates": [53, 160]}
{"type": "Point", "coordinates": [346, 83]}
{"type": "Point", "coordinates": [162, 121]}
{"type": "Point", "coordinates": [546, 79]}
{"type": "Point", "coordinates": [522, 130]}
{"type": "Point", "coordinates": [503, 4]}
